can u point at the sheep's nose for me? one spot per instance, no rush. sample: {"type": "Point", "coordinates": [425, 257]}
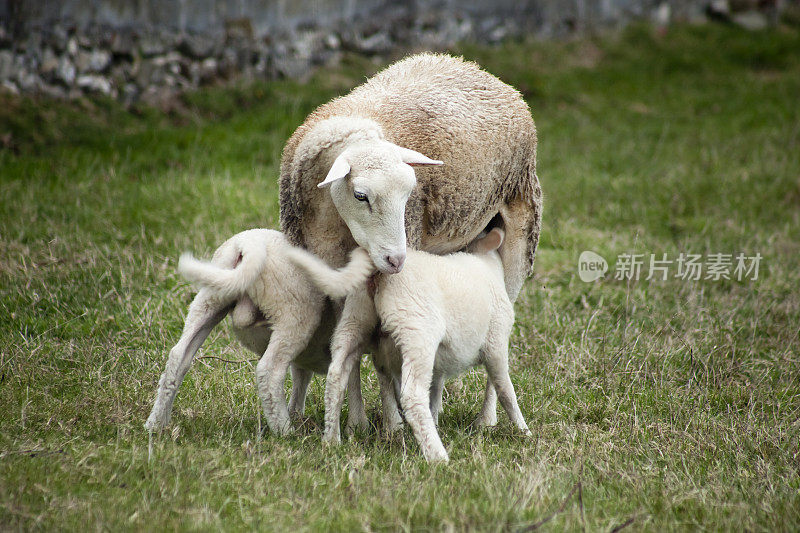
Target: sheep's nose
{"type": "Point", "coordinates": [396, 261]}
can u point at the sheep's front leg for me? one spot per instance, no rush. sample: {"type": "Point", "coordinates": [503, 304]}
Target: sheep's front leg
{"type": "Point", "coordinates": [205, 312]}
{"type": "Point", "coordinates": [488, 415]}
{"type": "Point", "coordinates": [283, 348]}
{"type": "Point", "coordinates": [415, 385]}
{"type": "Point", "coordinates": [357, 321]}
{"type": "Point", "coordinates": [300, 381]}
{"type": "Point", "coordinates": [356, 415]}
{"type": "Point", "coordinates": [437, 388]}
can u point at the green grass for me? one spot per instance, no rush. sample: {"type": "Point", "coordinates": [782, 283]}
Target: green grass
{"type": "Point", "coordinates": [667, 405]}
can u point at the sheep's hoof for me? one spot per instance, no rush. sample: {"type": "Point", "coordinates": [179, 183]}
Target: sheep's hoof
{"type": "Point", "coordinates": [390, 430]}
{"type": "Point", "coordinates": [285, 430]}
{"type": "Point", "coordinates": [155, 424]}
{"type": "Point", "coordinates": [358, 426]}
{"type": "Point", "coordinates": [331, 439]}
{"type": "Point", "coordinates": [485, 423]}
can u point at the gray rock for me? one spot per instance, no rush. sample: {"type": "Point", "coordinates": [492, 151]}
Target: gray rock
{"type": "Point", "coordinates": [166, 59]}
{"type": "Point", "coordinates": [376, 44]}
{"type": "Point", "coordinates": [208, 70]}
{"type": "Point", "coordinates": [72, 46]}
{"type": "Point", "coordinates": [5, 37]}
{"type": "Point", "coordinates": [295, 68]}
{"type": "Point", "coordinates": [53, 91]}
{"type": "Point", "coordinates": [122, 44]}
{"type": "Point", "coordinates": [152, 45]}
{"type": "Point", "coordinates": [197, 46]}
{"type": "Point", "coordinates": [94, 83]}
{"type": "Point", "coordinates": [28, 80]}
{"type": "Point", "coordinates": [65, 72]}
{"type": "Point", "coordinates": [6, 65]}
{"type": "Point", "coordinates": [48, 63]}
{"type": "Point", "coordinates": [160, 97]}
{"type": "Point", "coordinates": [9, 86]}
{"type": "Point", "coordinates": [751, 20]}
{"type": "Point", "coordinates": [130, 93]}
{"type": "Point", "coordinates": [332, 41]}
{"type": "Point", "coordinates": [95, 60]}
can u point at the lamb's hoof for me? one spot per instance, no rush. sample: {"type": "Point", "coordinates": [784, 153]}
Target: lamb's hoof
{"type": "Point", "coordinates": [438, 458]}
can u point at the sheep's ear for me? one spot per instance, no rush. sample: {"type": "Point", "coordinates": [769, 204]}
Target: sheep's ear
{"type": "Point", "coordinates": [490, 242]}
{"type": "Point", "coordinates": [339, 169]}
{"type": "Point", "coordinates": [410, 157]}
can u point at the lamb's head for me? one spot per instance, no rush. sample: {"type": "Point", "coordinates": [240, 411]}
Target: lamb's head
{"type": "Point", "coordinates": [370, 184]}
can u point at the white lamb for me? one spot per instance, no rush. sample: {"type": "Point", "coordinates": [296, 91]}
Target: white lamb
{"type": "Point", "coordinates": [444, 314]}
{"type": "Point", "coordinates": [275, 311]}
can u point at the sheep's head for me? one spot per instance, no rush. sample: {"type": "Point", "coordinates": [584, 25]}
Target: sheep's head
{"type": "Point", "coordinates": [370, 184]}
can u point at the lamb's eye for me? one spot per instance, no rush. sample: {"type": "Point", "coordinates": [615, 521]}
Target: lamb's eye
{"type": "Point", "coordinates": [360, 196]}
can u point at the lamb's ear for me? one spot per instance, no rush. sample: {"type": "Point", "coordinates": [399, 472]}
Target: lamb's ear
{"type": "Point", "coordinates": [410, 157]}
{"type": "Point", "coordinates": [489, 243]}
{"type": "Point", "coordinates": [339, 169]}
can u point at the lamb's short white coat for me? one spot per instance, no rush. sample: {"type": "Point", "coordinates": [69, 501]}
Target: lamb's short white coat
{"type": "Point", "coordinates": [443, 315]}
{"type": "Point", "coordinates": [275, 311]}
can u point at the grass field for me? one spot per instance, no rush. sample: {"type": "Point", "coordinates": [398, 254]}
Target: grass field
{"type": "Point", "coordinates": [655, 404]}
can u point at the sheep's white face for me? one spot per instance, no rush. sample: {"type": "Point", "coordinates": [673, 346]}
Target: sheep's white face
{"type": "Point", "coordinates": [370, 185]}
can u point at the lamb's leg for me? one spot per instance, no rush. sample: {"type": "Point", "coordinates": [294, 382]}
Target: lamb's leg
{"type": "Point", "coordinates": [415, 385]}
{"type": "Point", "coordinates": [496, 361]}
{"type": "Point", "coordinates": [488, 415]}
{"type": "Point", "coordinates": [205, 312]}
{"type": "Point", "coordinates": [284, 346]}
{"type": "Point", "coordinates": [437, 388]}
{"type": "Point", "coordinates": [300, 380]}
{"type": "Point", "coordinates": [358, 319]}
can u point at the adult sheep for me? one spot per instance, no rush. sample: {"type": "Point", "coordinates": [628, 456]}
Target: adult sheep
{"type": "Point", "coordinates": [445, 108]}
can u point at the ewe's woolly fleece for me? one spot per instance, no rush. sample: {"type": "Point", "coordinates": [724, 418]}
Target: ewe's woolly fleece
{"type": "Point", "coordinates": [445, 108]}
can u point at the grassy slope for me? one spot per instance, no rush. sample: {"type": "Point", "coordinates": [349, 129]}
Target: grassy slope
{"type": "Point", "coordinates": [673, 403]}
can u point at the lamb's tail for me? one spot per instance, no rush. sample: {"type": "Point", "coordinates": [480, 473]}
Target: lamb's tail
{"type": "Point", "coordinates": [334, 283]}
{"type": "Point", "coordinates": [226, 282]}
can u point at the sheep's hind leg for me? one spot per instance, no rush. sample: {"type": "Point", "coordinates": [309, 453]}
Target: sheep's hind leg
{"type": "Point", "coordinates": [437, 389]}
{"type": "Point", "coordinates": [300, 381]}
{"type": "Point", "coordinates": [390, 411]}
{"type": "Point", "coordinates": [283, 348]}
{"type": "Point", "coordinates": [205, 312]}
{"type": "Point", "coordinates": [356, 415]}
{"type": "Point", "coordinates": [488, 415]}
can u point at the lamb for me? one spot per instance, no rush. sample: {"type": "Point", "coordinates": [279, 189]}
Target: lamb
{"type": "Point", "coordinates": [275, 311]}
{"type": "Point", "coordinates": [444, 314]}
{"type": "Point", "coordinates": [441, 106]}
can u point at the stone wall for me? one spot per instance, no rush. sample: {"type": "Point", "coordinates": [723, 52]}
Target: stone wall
{"type": "Point", "coordinates": [151, 49]}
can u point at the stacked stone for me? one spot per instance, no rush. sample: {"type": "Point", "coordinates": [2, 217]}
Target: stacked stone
{"type": "Point", "coordinates": [143, 63]}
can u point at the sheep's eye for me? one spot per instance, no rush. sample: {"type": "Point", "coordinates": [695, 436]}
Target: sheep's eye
{"type": "Point", "coordinates": [360, 196]}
